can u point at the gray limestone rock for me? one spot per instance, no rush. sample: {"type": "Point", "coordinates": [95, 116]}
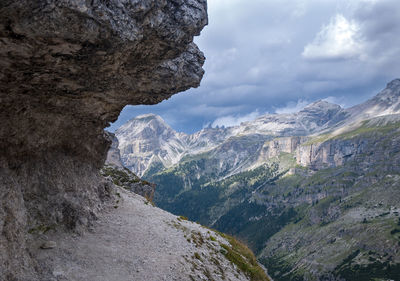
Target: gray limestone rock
{"type": "Point", "coordinates": [67, 68]}
{"type": "Point", "coordinates": [123, 177]}
{"type": "Point", "coordinates": [113, 154]}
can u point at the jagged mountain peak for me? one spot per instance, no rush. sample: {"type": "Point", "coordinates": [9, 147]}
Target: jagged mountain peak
{"type": "Point", "coordinates": [322, 105]}
{"type": "Point", "coordinates": [394, 84]}
{"type": "Point", "coordinates": [146, 118]}
{"type": "Point", "coordinates": [147, 139]}
{"type": "Point", "coordinates": [385, 103]}
{"type": "Point", "coordinates": [147, 126]}
{"type": "Point", "coordinates": [391, 93]}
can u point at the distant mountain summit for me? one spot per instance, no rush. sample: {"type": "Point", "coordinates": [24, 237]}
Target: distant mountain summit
{"type": "Point", "coordinates": [385, 103]}
{"type": "Point", "coordinates": [320, 112]}
{"type": "Point", "coordinates": [148, 142]}
{"type": "Point", "coordinates": [393, 88]}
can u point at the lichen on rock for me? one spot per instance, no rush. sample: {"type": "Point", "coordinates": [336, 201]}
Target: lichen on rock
{"type": "Point", "coordinates": [67, 68]}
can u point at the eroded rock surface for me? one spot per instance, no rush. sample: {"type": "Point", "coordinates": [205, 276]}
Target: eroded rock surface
{"type": "Point", "coordinates": [67, 68]}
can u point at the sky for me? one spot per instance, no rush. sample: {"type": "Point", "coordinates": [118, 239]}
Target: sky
{"type": "Point", "coordinates": [277, 56]}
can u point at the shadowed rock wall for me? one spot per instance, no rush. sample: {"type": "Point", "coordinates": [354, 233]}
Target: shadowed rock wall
{"type": "Point", "coordinates": [67, 68]}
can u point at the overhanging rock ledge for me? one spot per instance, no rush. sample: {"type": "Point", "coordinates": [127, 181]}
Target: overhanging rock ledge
{"type": "Point", "coordinates": [67, 68]}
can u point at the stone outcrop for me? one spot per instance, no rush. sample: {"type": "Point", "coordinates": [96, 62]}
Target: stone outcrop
{"type": "Point", "coordinates": [122, 176]}
{"type": "Point", "coordinates": [67, 68]}
{"type": "Point", "coordinates": [113, 154]}
{"type": "Point", "coordinates": [275, 147]}
{"type": "Point", "coordinates": [331, 153]}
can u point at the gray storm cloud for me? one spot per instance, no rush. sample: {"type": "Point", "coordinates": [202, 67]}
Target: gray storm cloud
{"type": "Point", "coordinates": [263, 56]}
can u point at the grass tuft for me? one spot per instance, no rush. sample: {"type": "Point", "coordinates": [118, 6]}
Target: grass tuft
{"type": "Point", "coordinates": [182, 218]}
{"type": "Point", "coordinates": [197, 256]}
{"type": "Point", "coordinates": [240, 255]}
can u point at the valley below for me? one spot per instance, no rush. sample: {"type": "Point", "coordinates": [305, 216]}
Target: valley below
{"type": "Point", "coordinates": [315, 194]}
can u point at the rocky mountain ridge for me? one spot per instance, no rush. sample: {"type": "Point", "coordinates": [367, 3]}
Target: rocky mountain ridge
{"type": "Point", "coordinates": [147, 142]}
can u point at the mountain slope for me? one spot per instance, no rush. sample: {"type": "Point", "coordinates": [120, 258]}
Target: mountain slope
{"type": "Point", "coordinates": [314, 193]}
{"type": "Point", "coordinates": [294, 216]}
{"type": "Point", "coordinates": [385, 103]}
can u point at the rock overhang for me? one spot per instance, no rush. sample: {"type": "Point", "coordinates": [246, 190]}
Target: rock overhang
{"type": "Point", "coordinates": [68, 67]}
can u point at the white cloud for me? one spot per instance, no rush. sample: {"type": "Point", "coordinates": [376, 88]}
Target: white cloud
{"type": "Point", "coordinates": [340, 39]}
{"type": "Point", "coordinates": [234, 120]}
{"type": "Point", "coordinates": [343, 101]}
{"type": "Point", "coordinates": [337, 48]}
{"type": "Point", "coordinates": [292, 107]}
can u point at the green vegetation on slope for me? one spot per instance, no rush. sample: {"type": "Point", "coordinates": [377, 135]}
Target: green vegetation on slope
{"type": "Point", "coordinates": [204, 202]}
{"type": "Point", "coordinates": [120, 177]}
{"type": "Point", "coordinates": [239, 254]}
{"type": "Point", "coordinates": [128, 180]}
{"type": "Point", "coordinates": [306, 225]}
{"type": "Point", "coordinates": [365, 129]}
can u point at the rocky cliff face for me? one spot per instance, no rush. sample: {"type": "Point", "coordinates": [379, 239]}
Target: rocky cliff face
{"type": "Point", "coordinates": [329, 154]}
{"type": "Point", "coordinates": [67, 68]}
{"type": "Point", "coordinates": [114, 154]}
{"type": "Point", "coordinates": [277, 146]}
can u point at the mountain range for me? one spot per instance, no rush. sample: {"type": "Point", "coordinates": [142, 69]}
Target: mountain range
{"type": "Point", "coordinates": [147, 143]}
{"type": "Point", "coordinates": [315, 193]}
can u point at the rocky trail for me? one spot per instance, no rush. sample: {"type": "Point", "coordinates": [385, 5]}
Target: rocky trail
{"type": "Point", "coordinates": [136, 241]}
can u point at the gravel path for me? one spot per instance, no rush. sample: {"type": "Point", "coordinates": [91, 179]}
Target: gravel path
{"type": "Point", "coordinates": [137, 241]}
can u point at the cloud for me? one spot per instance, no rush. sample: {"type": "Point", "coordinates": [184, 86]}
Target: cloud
{"type": "Point", "coordinates": [340, 39]}
{"type": "Point", "coordinates": [231, 120]}
{"type": "Point", "coordinates": [292, 107]}
{"type": "Point", "coordinates": [338, 100]}
{"type": "Point", "coordinates": [380, 26]}
{"type": "Point", "coordinates": [273, 55]}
